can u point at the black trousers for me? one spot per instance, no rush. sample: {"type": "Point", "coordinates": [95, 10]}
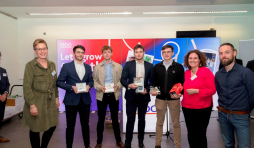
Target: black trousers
{"type": "Point", "coordinates": [108, 99]}
{"type": "Point", "coordinates": [197, 121]}
{"type": "Point", "coordinates": [35, 138]}
{"type": "Point", "coordinates": [71, 114]}
{"type": "Point", "coordinates": [2, 109]}
{"type": "Point", "coordinates": [131, 108]}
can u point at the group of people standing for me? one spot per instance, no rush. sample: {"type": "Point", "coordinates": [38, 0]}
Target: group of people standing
{"type": "Point", "coordinates": [234, 85]}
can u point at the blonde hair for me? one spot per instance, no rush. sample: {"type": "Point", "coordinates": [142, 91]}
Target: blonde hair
{"type": "Point", "coordinates": [106, 48]}
{"type": "Point", "coordinates": [38, 41]}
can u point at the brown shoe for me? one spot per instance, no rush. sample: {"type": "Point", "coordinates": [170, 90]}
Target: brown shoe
{"type": "Point", "coordinates": [120, 144]}
{"type": "Point", "coordinates": [2, 139]}
{"type": "Point", "coordinates": [98, 146]}
{"type": "Point", "coordinates": [157, 146]}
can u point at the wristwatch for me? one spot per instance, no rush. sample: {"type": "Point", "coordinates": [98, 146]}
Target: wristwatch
{"type": "Point", "coordinates": [6, 93]}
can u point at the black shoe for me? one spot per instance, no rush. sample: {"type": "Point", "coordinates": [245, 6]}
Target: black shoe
{"type": "Point", "coordinates": [141, 144]}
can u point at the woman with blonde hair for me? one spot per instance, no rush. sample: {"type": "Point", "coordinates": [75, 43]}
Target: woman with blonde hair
{"type": "Point", "coordinates": [41, 96]}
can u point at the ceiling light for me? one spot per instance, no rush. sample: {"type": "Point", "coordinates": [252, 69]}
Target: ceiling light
{"type": "Point", "coordinates": [195, 12]}
{"type": "Point", "coordinates": [106, 13]}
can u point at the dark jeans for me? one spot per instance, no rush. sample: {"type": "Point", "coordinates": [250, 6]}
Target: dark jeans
{"type": "Point", "coordinates": [71, 114]}
{"type": "Point", "coordinates": [102, 108]}
{"type": "Point", "coordinates": [2, 109]}
{"type": "Point", "coordinates": [233, 124]}
{"type": "Point", "coordinates": [197, 121]}
{"type": "Point", "coordinates": [131, 108]}
{"type": "Point", "coordinates": [35, 138]}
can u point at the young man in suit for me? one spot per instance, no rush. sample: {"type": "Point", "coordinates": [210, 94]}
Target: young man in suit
{"type": "Point", "coordinates": [4, 90]}
{"type": "Point", "coordinates": [105, 73]}
{"type": "Point", "coordinates": [71, 73]}
{"type": "Point", "coordinates": [134, 101]}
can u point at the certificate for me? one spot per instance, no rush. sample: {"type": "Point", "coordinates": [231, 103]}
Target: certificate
{"type": "Point", "coordinates": [140, 82]}
{"type": "Point", "coordinates": [81, 87]}
{"type": "Point", "coordinates": [152, 89]}
{"type": "Point", "coordinates": [109, 88]}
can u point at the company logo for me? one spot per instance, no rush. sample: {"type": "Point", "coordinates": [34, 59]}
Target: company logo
{"type": "Point", "coordinates": [65, 45]}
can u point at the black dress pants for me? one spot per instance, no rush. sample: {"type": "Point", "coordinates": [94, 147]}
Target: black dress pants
{"type": "Point", "coordinates": [108, 99]}
{"type": "Point", "coordinates": [2, 109]}
{"type": "Point", "coordinates": [197, 121]}
{"type": "Point", "coordinates": [131, 108]}
{"type": "Point", "coordinates": [71, 114]}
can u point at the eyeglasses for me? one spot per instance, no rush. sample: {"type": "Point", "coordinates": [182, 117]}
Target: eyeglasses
{"type": "Point", "coordinates": [168, 52]}
{"type": "Point", "coordinates": [78, 52]}
{"type": "Point", "coordinates": [41, 49]}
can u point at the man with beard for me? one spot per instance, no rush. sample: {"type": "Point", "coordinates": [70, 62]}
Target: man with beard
{"type": "Point", "coordinates": [107, 73]}
{"type": "Point", "coordinates": [137, 68]}
{"type": "Point", "coordinates": [235, 85]}
{"type": "Point", "coordinates": [71, 74]}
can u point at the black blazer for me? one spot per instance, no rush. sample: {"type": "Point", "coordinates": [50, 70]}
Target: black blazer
{"type": "Point", "coordinates": [250, 65]}
{"type": "Point", "coordinates": [238, 61]}
{"type": "Point", "coordinates": [4, 81]}
{"type": "Point", "coordinates": [129, 72]}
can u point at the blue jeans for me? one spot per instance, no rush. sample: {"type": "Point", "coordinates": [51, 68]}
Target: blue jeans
{"type": "Point", "coordinates": [240, 124]}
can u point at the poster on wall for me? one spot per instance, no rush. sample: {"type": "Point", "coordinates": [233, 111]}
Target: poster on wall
{"type": "Point", "coordinates": [123, 52]}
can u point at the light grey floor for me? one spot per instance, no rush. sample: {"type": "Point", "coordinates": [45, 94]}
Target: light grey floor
{"type": "Point", "coordinates": [19, 135]}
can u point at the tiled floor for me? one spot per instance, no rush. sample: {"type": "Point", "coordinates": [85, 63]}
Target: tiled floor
{"type": "Point", "coordinates": [19, 135]}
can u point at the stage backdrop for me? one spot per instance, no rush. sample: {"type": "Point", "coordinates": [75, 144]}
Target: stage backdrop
{"type": "Point", "coordinates": [123, 52]}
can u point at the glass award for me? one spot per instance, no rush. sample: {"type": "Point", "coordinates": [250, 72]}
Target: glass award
{"type": "Point", "coordinates": [109, 88]}
{"type": "Point", "coordinates": [140, 82]}
{"type": "Point", "coordinates": [152, 89]}
{"type": "Point", "coordinates": [81, 87]}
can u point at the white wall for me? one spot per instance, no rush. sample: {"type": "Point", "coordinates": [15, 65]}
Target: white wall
{"type": "Point", "coordinates": [230, 29]}
{"type": "Point", "coordinates": [9, 50]}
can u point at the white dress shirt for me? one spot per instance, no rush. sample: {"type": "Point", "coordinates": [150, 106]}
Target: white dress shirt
{"type": "Point", "coordinates": [80, 69]}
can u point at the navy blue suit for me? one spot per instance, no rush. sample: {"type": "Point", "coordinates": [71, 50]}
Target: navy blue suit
{"type": "Point", "coordinates": [68, 77]}
{"type": "Point", "coordinates": [4, 86]}
{"type": "Point", "coordinates": [136, 101]}
{"type": "Point", "coordinates": [76, 102]}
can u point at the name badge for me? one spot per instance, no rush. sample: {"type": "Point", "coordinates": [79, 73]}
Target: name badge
{"type": "Point", "coordinates": [4, 75]}
{"type": "Point", "coordinates": [193, 77]}
{"type": "Point", "coordinates": [53, 73]}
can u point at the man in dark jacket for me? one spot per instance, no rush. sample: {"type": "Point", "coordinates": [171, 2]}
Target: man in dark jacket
{"type": "Point", "coordinates": [4, 90]}
{"type": "Point", "coordinates": [137, 68]}
{"type": "Point", "coordinates": [165, 75]}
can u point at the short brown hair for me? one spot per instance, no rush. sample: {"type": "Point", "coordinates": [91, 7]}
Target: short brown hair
{"type": "Point", "coordinates": [201, 57]}
{"type": "Point", "coordinates": [79, 46]}
{"type": "Point", "coordinates": [106, 48]}
{"type": "Point", "coordinates": [38, 41]}
{"type": "Point", "coordinates": [228, 44]}
{"type": "Point", "coordinates": [167, 46]}
{"type": "Point", "coordinates": [139, 46]}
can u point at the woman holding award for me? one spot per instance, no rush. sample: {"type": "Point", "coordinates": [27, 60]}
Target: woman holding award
{"type": "Point", "coordinates": [199, 87]}
{"type": "Point", "coordinates": [41, 96]}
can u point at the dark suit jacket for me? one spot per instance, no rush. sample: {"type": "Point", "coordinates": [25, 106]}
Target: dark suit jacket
{"type": "Point", "coordinates": [4, 81]}
{"type": "Point", "coordinates": [250, 65]}
{"type": "Point", "coordinates": [68, 77]}
{"type": "Point", "coordinates": [129, 72]}
{"type": "Point", "coordinates": [238, 61]}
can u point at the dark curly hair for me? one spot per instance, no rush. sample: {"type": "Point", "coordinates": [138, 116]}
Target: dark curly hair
{"type": "Point", "coordinates": [201, 57]}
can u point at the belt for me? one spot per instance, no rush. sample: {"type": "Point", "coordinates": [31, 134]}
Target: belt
{"type": "Point", "coordinates": [232, 112]}
{"type": "Point", "coordinates": [50, 92]}
{"type": "Point", "coordinates": [109, 94]}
